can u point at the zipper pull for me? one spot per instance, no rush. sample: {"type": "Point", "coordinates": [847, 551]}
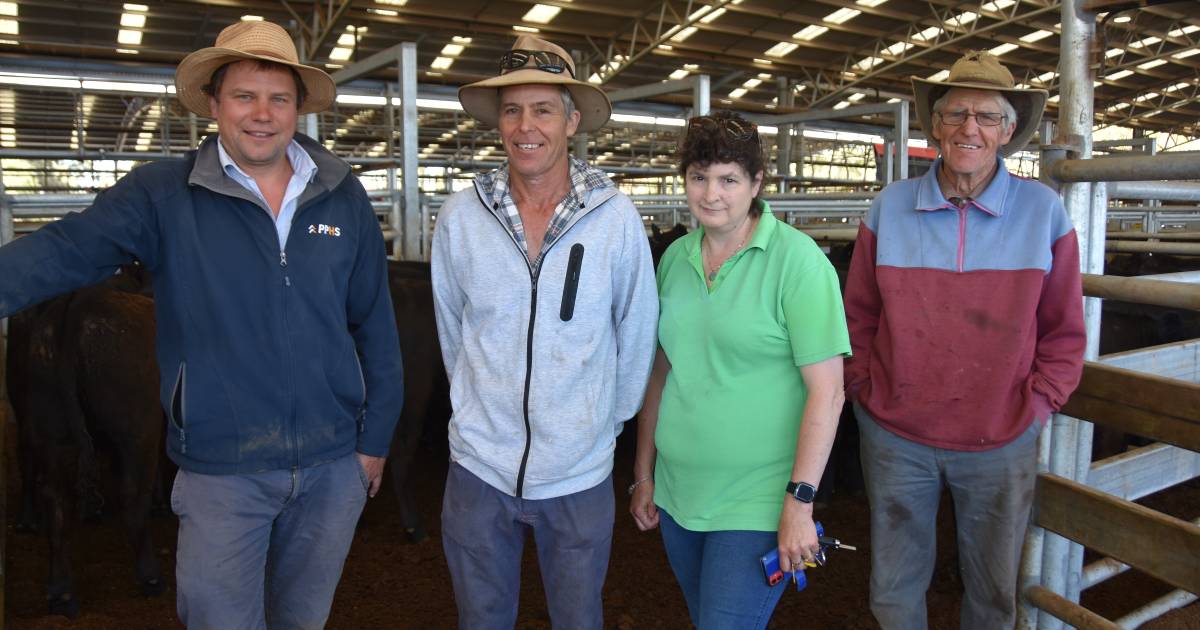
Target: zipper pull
{"type": "Point", "coordinates": [282, 258]}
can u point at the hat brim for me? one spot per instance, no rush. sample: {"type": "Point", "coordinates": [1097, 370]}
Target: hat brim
{"type": "Point", "coordinates": [1030, 104]}
{"type": "Point", "coordinates": [196, 70]}
{"type": "Point", "coordinates": [482, 99]}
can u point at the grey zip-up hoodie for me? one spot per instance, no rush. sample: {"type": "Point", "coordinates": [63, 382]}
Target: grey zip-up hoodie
{"type": "Point", "coordinates": [541, 390]}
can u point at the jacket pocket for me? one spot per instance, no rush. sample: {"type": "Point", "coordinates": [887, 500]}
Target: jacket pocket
{"type": "Point", "coordinates": [178, 405]}
{"type": "Point", "coordinates": [571, 284]}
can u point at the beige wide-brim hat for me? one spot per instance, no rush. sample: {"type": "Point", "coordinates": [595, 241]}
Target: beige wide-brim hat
{"type": "Point", "coordinates": [249, 40]}
{"type": "Point", "coordinates": [482, 99]}
{"type": "Point", "coordinates": [981, 70]}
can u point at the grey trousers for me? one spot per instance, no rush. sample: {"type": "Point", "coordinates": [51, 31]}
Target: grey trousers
{"type": "Point", "coordinates": [992, 493]}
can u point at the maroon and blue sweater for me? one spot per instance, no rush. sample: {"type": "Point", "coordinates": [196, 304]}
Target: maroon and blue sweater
{"type": "Point", "coordinates": [966, 324]}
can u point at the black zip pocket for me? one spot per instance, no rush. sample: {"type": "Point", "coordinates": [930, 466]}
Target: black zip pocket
{"type": "Point", "coordinates": [571, 284]}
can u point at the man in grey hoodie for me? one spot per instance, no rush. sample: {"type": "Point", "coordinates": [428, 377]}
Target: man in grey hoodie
{"type": "Point", "coordinates": [547, 312]}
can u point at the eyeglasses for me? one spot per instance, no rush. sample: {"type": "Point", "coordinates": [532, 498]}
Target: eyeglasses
{"type": "Point", "coordinates": [983, 119]}
{"type": "Point", "coordinates": [734, 129]}
{"type": "Point", "coordinates": [543, 60]}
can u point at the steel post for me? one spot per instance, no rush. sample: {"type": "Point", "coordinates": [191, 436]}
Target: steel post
{"type": "Point", "coordinates": [900, 140]}
{"type": "Point", "coordinates": [1127, 168]}
{"type": "Point", "coordinates": [413, 220]}
{"type": "Point", "coordinates": [701, 92]}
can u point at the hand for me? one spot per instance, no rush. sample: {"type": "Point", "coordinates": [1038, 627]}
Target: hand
{"type": "Point", "coordinates": [373, 467]}
{"type": "Point", "coordinates": [797, 535]}
{"type": "Point", "coordinates": [642, 507]}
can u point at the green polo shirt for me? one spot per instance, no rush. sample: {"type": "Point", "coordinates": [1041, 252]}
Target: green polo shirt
{"type": "Point", "coordinates": [733, 401]}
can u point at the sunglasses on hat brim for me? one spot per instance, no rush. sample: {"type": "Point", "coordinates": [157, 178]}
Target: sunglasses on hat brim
{"type": "Point", "coordinates": [543, 60]}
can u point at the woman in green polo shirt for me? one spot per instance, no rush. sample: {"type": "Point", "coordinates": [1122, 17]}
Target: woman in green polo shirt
{"type": "Point", "coordinates": [744, 398]}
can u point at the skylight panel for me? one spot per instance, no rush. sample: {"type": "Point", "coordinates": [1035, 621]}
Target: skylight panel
{"type": "Point", "coordinates": [1153, 63]}
{"type": "Point", "coordinates": [712, 16]}
{"type": "Point", "coordinates": [1117, 76]}
{"type": "Point", "coordinates": [1183, 85]}
{"type": "Point", "coordinates": [870, 3]}
{"type": "Point", "coordinates": [1146, 97]}
{"type": "Point", "coordinates": [452, 50]}
{"type": "Point", "coordinates": [1180, 32]}
{"type": "Point", "coordinates": [131, 20]}
{"type": "Point", "coordinates": [897, 49]}
{"type": "Point", "coordinates": [856, 97]}
{"type": "Point", "coordinates": [868, 63]}
{"type": "Point", "coordinates": [541, 14]}
{"type": "Point", "coordinates": [1113, 52]}
{"type": "Point", "coordinates": [340, 54]}
{"type": "Point", "coordinates": [1046, 77]}
{"type": "Point", "coordinates": [683, 34]}
{"type": "Point", "coordinates": [252, 18]}
{"type": "Point", "coordinates": [129, 37]}
{"type": "Point", "coordinates": [962, 19]}
{"type": "Point", "coordinates": [1142, 43]}
{"type": "Point", "coordinates": [841, 16]}
{"type": "Point", "coordinates": [738, 93]}
{"type": "Point", "coordinates": [781, 49]}
{"type": "Point", "coordinates": [750, 84]}
{"type": "Point", "coordinates": [1185, 54]}
{"type": "Point", "coordinates": [810, 32]}
{"type": "Point", "coordinates": [1036, 36]}
{"type": "Point", "coordinates": [927, 34]}
{"type": "Point", "coordinates": [678, 74]}
{"type": "Point", "coordinates": [135, 7]}
{"type": "Point", "coordinates": [842, 105]}
{"type": "Point", "coordinates": [1003, 49]}
{"type": "Point", "coordinates": [997, 5]}
{"type": "Point", "coordinates": [442, 63]}
{"type": "Point", "coordinates": [940, 76]}
{"type": "Point", "coordinates": [526, 29]}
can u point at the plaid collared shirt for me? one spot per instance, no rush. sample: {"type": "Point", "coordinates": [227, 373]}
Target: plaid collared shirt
{"type": "Point", "coordinates": [583, 179]}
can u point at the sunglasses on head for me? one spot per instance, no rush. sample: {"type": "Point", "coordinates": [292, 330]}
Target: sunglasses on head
{"type": "Point", "coordinates": [734, 129]}
{"type": "Point", "coordinates": [543, 60]}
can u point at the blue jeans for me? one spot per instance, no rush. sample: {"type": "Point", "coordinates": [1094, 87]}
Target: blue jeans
{"type": "Point", "coordinates": [721, 575]}
{"type": "Point", "coordinates": [993, 495]}
{"type": "Point", "coordinates": [483, 535]}
{"type": "Point", "coordinates": [264, 549]}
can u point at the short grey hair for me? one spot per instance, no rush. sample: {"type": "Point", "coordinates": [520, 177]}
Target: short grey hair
{"type": "Point", "coordinates": [1010, 112]}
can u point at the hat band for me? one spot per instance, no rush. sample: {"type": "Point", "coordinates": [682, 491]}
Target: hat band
{"type": "Point", "coordinates": [269, 53]}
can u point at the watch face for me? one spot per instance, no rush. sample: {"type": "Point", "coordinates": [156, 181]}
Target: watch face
{"type": "Point", "coordinates": [803, 492]}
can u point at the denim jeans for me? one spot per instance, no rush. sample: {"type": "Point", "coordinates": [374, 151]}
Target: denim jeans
{"type": "Point", "coordinates": [264, 550]}
{"type": "Point", "coordinates": [721, 575]}
{"type": "Point", "coordinates": [483, 535]}
{"type": "Point", "coordinates": [993, 495]}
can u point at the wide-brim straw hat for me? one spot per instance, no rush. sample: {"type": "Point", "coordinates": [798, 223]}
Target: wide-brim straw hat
{"type": "Point", "coordinates": [482, 99]}
{"type": "Point", "coordinates": [249, 40]}
{"type": "Point", "coordinates": [981, 70]}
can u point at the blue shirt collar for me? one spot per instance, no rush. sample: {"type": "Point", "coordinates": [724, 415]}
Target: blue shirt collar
{"type": "Point", "coordinates": [991, 201]}
{"type": "Point", "coordinates": [302, 164]}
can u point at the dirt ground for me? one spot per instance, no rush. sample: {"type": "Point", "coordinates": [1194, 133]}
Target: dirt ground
{"type": "Point", "coordinates": [389, 583]}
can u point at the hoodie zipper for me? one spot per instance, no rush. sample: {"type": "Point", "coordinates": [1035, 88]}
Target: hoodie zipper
{"type": "Point", "coordinates": [962, 236]}
{"type": "Point", "coordinates": [533, 282]}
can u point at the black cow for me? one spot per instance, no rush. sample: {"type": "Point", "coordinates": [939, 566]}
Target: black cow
{"type": "Point", "coordinates": [82, 370]}
{"type": "Point", "coordinates": [426, 392]}
{"type": "Point", "coordinates": [660, 241]}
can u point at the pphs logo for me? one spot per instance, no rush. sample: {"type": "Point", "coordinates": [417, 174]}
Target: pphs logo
{"type": "Point", "coordinates": [326, 230]}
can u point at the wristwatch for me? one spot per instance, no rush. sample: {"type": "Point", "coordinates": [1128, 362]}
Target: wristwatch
{"type": "Point", "coordinates": [801, 491]}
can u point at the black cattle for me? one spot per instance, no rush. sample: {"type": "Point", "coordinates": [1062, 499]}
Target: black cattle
{"type": "Point", "coordinates": [426, 392]}
{"type": "Point", "coordinates": [659, 240]}
{"type": "Point", "coordinates": [82, 372]}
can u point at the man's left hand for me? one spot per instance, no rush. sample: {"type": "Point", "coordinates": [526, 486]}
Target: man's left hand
{"type": "Point", "coordinates": [373, 466]}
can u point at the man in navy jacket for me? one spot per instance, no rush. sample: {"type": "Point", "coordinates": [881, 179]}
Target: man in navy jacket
{"type": "Point", "coordinates": [277, 344]}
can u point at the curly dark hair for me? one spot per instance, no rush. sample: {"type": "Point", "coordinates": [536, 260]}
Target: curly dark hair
{"type": "Point", "coordinates": [723, 137]}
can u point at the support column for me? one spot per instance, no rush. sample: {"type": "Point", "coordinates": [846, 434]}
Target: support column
{"type": "Point", "coordinates": [700, 94]}
{"type": "Point", "coordinates": [783, 139]}
{"type": "Point", "coordinates": [414, 220]}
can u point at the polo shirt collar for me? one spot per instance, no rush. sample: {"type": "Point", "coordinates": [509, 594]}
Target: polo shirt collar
{"type": "Point", "coordinates": [991, 201]}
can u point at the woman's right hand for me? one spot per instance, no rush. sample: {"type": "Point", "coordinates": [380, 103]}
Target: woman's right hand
{"type": "Point", "coordinates": [642, 507]}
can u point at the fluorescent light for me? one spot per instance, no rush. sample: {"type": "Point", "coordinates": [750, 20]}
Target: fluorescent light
{"type": "Point", "coordinates": [997, 5]}
{"type": "Point", "coordinates": [781, 49]}
{"type": "Point", "coordinates": [683, 34]}
{"type": "Point", "coordinates": [750, 84]}
{"type": "Point", "coordinates": [340, 54]}
{"type": "Point", "coordinates": [810, 32]}
{"type": "Point", "coordinates": [1179, 86]}
{"type": "Point", "coordinates": [962, 19]}
{"type": "Point", "coordinates": [1117, 76]}
{"type": "Point", "coordinates": [841, 16]}
{"type": "Point", "coordinates": [8, 8]}
{"type": "Point", "coordinates": [1146, 97]}
{"type": "Point", "coordinates": [764, 76]}
{"type": "Point", "coordinates": [387, 12]}
{"type": "Point", "coordinates": [1179, 32]}
{"type": "Point", "coordinates": [452, 50]}
{"type": "Point", "coordinates": [738, 93]}
{"type": "Point", "coordinates": [856, 97]}
{"type": "Point", "coordinates": [1118, 106]}
{"type": "Point", "coordinates": [252, 18]}
{"type": "Point", "coordinates": [129, 38]}
{"type": "Point", "coordinates": [1153, 63]}
{"type": "Point", "coordinates": [126, 51]}
{"type": "Point", "coordinates": [135, 7]}
{"type": "Point", "coordinates": [1142, 43]}
{"type": "Point", "coordinates": [525, 29]}
{"type": "Point", "coordinates": [1122, 19]}
{"type": "Point", "coordinates": [679, 74]}
{"type": "Point", "coordinates": [541, 14]}
{"type": "Point", "coordinates": [1187, 53]}
{"type": "Point", "coordinates": [442, 63]}
{"type": "Point", "coordinates": [1112, 52]}
{"type": "Point", "coordinates": [135, 20]}
{"type": "Point", "coordinates": [394, 3]}
{"type": "Point", "coordinates": [868, 63]}
{"type": "Point", "coordinates": [842, 105]}
{"type": "Point", "coordinates": [691, 67]}
{"type": "Point", "coordinates": [897, 49]}
{"type": "Point", "coordinates": [461, 40]}
{"type": "Point", "coordinates": [870, 3]}
{"type": "Point", "coordinates": [9, 27]}
{"type": "Point", "coordinates": [1003, 49]}
{"type": "Point", "coordinates": [124, 86]}
{"type": "Point", "coordinates": [346, 40]}
{"type": "Point", "coordinates": [1036, 36]}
